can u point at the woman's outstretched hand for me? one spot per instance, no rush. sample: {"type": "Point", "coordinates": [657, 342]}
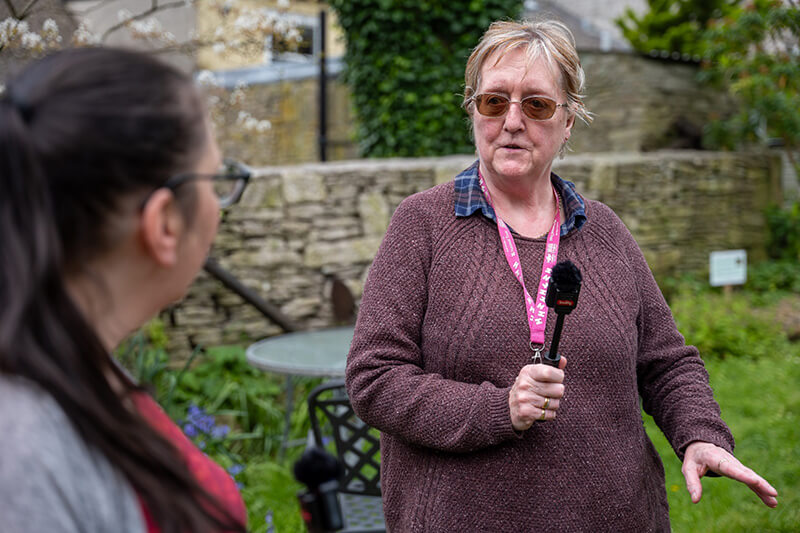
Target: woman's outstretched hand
{"type": "Point", "coordinates": [536, 394]}
{"type": "Point", "coordinates": [701, 457]}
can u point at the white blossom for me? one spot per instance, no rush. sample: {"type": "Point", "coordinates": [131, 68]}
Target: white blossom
{"type": "Point", "coordinates": [206, 78]}
{"type": "Point", "coordinates": [32, 41]}
{"type": "Point", "coordinates": [251, 123]}
{"type": "Point", "coordinates": [123, 15]}
{"type": "Point", "coordinates": [218, 48]}
{"type": "Point", "coordinates": [293, 34]}
{"type": "Point", "coordinates": [50, 26]}
{"type": "Point", "coordinates": [83, 36]}
{"type": "Point", "coordinates": [283, 4]}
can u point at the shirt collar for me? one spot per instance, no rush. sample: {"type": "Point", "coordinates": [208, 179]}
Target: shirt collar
{"type": "Point", "coordinates": [469, 198]}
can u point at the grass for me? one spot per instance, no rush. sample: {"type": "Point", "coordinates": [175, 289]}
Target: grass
{"type": "Point", "coordinates": [760, 401]}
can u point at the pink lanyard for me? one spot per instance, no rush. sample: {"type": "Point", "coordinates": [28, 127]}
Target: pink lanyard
{"type": "Point", "coordinates": [536, 311]}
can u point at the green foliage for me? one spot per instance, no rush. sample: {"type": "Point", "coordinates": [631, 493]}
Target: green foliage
{"type": "Point", "coordinates": [755, 53]}
{"type": "Point", "coordinates": [722, 326]}
{"type": "Point", "coordinates": [672, 25]}
{"type": "Point", "coordinates": [405, 65]}
{"type": "Point", "coordinates": [774, 277]}
{"type": "Point", "coordinates": [784, 233]}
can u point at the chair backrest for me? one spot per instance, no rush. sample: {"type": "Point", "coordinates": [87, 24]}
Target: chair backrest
{"type": "Point", "coordinates": [356, 444]}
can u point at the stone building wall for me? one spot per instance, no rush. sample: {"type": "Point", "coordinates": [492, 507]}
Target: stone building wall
{"type": "Point", "coordinates": [298, 225]}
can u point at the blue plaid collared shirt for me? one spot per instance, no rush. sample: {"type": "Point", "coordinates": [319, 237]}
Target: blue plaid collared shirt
{"type": "Point", "coordinates": [470, 198]}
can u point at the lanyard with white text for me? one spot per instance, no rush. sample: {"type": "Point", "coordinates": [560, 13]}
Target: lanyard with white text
{"type": "Point", "coordinates": [536, 310]}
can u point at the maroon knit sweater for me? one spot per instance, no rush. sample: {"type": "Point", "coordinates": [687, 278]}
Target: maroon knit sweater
{"type": "Point", "coordinates": [441, 336]}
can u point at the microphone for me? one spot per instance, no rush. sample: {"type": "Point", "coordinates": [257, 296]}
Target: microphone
{"type": "Point", "coordinates": [320, 472]}
{"type": "Point", "coordinates": [562, 296]}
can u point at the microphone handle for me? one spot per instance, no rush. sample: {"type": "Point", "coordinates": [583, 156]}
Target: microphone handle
{"type": "Point", "coordinates": [552, 358]}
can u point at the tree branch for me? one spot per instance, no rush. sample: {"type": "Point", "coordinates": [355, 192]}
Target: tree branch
{"type": "Point", "coordinates": [141, 16]}
{"type": "Point", "coordinates": [98, 5]}
{"type": "Point", "coordinates": [26, 9]}
{"type": "Point", "coordinates": [11, 9]}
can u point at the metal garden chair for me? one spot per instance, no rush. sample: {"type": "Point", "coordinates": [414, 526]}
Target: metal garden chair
{"type": "Point", "coordinates": [337, 428]}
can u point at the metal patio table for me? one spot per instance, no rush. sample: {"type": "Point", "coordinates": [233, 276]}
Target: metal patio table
{"type": "Point", "coordinates": [315, 353]}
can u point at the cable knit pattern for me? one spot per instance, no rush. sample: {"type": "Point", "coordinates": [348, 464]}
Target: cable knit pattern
{"type": "Point", "coordinates": [441, 336]}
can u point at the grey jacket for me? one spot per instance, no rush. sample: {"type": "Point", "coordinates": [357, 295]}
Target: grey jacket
{"type": "Point", "coordinates": [50, 480]}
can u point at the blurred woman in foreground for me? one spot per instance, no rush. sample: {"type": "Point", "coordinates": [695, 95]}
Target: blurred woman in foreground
{"type": "Point", "coordinates": [108, 171]}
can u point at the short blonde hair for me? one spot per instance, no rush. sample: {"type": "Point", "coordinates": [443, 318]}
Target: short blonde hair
{"type": "Point", "coordinates": [550, 39]}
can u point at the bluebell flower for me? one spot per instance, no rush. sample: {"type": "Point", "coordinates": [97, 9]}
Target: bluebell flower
{"type": "Point", "coordinates": [236, 469]}
{"type": "Point", "coordinates": [201, 445]}
{"type": "Point", "coordinates": [195, 411]}
{"type": "Point", "coordinates": [219, 432]}
{"type": "Point", "coordinates": [190, 430]}
{"type": "Point", "coordinates": [269, 522]}
{"type": "Point", "coordinates": [206, 423]}
{"type": "Point", "coordinates": [239, 485]}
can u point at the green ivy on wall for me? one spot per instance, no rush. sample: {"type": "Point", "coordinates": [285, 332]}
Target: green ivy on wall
{"type": "Point", "coordinates": [405, 63]}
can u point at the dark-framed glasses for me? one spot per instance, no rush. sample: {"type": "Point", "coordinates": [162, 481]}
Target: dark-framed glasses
{"type": "Point", "coordinates": [229, 183]}
{"type": "Point", "coordinates": [534, 107]}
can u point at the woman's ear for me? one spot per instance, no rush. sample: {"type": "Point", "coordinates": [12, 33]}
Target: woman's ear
{"type": "Point", "coordinates": [161, 225]}
{"type": "Point", "coordinates": [570, 123]}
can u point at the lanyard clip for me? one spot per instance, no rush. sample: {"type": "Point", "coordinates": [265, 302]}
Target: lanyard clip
{"type": "Point", "coordinates": [536, 358]}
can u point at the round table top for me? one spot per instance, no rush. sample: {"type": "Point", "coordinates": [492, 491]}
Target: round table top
{"type": "Point", "coordinates": [320, 352]}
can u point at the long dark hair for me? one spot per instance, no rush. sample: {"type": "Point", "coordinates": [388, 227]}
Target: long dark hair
{"type": "Point", "coordinates": [80, 131]}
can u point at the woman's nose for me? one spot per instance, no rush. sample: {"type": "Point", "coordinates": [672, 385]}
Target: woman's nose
{"type": "Point", "coordinates": [514, 119]}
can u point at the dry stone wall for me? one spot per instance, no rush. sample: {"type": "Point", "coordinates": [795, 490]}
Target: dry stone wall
{"type": "Point", "coordinates": [296, 226]}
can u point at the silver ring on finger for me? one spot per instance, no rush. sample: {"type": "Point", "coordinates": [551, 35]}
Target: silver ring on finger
{"type": "Point", "coordinates": [546, 403]}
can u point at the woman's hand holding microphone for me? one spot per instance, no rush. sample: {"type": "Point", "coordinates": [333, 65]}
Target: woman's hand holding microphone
{"type": "Point", "coordinates": [536, 394]}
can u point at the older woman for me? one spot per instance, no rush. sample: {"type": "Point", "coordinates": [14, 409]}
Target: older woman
{"type": "Point", "coordinates": [475, 437]}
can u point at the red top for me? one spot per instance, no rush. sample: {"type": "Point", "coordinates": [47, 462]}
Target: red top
{"type": "Point", "coordinates": [212, 477]}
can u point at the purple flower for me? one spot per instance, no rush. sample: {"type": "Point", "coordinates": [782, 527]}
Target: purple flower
{"type": "Point", "coordinates": [239, 485]}
{"type": "Point", "coordinates": [206, 423]}
{"type": "Point", "coordinates": [201, 445]}
{"type": "Point", "coordinates": [195, 411]}
{"type": "Point", "coordinates": [236, 469]}
{"type": "Point", "coordinates": [219, 432]}
{"type": "Point", "coordinates": [190, 430]}
{"type": "Point", "coordinates": [269, 523]}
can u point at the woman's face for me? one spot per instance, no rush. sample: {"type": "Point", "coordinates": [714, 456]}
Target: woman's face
{"type": "Point", "coordinates": [513, 145]}
{"type": "Point", "coordinates": [202, 228]}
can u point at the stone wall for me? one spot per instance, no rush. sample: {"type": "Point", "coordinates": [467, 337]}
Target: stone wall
{"type": "Point", "coordinates": [644, 104]}
{"type": "Point", "coordinates": [297, 225]}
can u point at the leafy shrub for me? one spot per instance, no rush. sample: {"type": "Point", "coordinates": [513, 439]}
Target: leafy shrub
{"type": "Point", "coordinates": [728, 325]}
{"type": "Point", "coordinates": [774, 276]}
{"type": "Point", "coordinates": [672, 25]}
{"type": "Point", "coordinates": [784, 233]}
{"type": "Point", "coordinates": [405, 65]}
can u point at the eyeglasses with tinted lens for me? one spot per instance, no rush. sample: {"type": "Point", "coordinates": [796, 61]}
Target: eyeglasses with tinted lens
{"type": "Point", "coordinates": [534, 107]}
{"type": "Point", "coordinates": [229, 183]}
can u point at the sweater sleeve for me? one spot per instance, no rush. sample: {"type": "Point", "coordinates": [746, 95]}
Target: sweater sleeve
{"type": "Point", "coordinates": [386, 380]}
{"type": "Point", "coordinates": [672, 378]}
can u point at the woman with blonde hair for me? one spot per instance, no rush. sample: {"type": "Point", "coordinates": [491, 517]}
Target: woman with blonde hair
{"type": "Point", "coordinates": [477, 435]}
